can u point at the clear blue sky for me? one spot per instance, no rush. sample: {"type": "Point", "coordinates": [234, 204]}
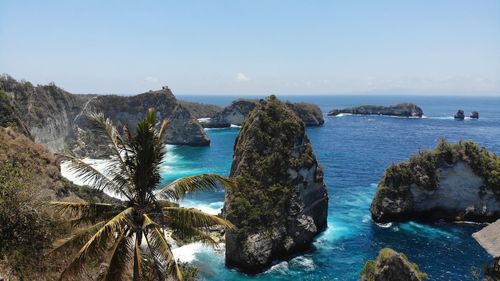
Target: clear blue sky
{"type": "Point", "coordinates": [255, 47]}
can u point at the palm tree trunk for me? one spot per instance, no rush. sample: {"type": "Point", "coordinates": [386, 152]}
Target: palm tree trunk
{"type": "Point", "coordinates": [137, 269]}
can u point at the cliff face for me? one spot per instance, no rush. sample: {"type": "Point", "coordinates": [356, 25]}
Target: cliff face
{"type": "Point", "coordinates": [201, 110]}
{"type": "Point", "coordinates": [238, 111]}
{"type": "Point", "coordinates": [56, 118]}
{"type": "Point", "coordinates": [454, 182]}
{"type": "Point", "coordinates": [47, 111]}
{"type": "Point", "coordinates": [391, 266]}
{"type": "Point", "coordinates": [400, 110]}
{"type": "Point", "coordinates": [280, 201]}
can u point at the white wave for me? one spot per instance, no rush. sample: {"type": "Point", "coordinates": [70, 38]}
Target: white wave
{"type": "Point", "coordinates": [384, 225]}
{"type": "Point", "coordinates": [235, 126]}
{"type": "Point", "coordinates": [303, 263]}
{"type": "Point", "coordinates": [343, 114]}
{"type": "Point", "coordinates": [213, 208]}
{"type": "Point", "coordinates": [204, 120]}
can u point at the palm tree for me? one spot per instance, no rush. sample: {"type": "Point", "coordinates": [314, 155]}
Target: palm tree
{"type": "Point", "coordinates": [130, 236]}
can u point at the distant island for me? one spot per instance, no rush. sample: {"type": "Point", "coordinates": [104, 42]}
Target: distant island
{"type": "Point", "coordinates": [399, 110]}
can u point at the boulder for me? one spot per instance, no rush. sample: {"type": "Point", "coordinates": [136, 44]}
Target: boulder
{"type": "Point", "coordinates": [391, 266]}
{"type": "Point", "coordinates": [280, 202]}
{"type": "Point", "coordinates": [454, 182]}
{"type": "Point", "coordinates": [399, 110]}
{"type": "Point", "coordinates": [474, 115]}
{"type": "Point", "coordinates": [459, 115]}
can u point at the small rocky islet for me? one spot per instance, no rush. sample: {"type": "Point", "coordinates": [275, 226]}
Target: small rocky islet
{"type": "Point", "coordinates": [399, 110]}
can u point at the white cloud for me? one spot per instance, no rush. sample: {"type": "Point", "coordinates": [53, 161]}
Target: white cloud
{"type": "Point", "coordinates": [151, 79]}
{"type": "Point", "coordinates": [241, 77]}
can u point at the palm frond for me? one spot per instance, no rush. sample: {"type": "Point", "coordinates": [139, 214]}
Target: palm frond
{"type": "Point", "coordinates": [192, 234]}
{"type": "Point", "coordinates": [194, 218]}
{"type": "Point", "coordinates": [77, 238]}
{"type": "Point", "coordinates": [163, 129]}
{"type": "Point", "coordinates": [89, 175]}
{"type": "Point", "coordinates": [205, 182]}
{"type": "Point", "coordinates": [121, 254]}
{"type": "Point", "coordinates": [159, 246]}
{"type": "Point", "coordinates": [100, 241]}
{"type": "Point", "coordinates": [84, 212]}
{"type": "Point", "coordinates": [118, 145]}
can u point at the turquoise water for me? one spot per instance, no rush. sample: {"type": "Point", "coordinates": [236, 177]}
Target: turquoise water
{"type": "Point", "coordinates": [354, 151]}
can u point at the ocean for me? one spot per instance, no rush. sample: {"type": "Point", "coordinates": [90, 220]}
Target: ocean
{"type": "Point", "coordinates": [354, 152]}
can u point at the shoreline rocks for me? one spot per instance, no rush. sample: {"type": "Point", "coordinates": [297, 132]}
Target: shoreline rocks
{"type": "Point", "coordinates": [399, 110]}
{"type": "Point", "coordinates": [454, 182]}
{"type": "Point", "coordinates": [474, 115]}
{"type": "Point", "coordinates": [391, 266]}
{"type": "Point", "coordinates": [279, 202]}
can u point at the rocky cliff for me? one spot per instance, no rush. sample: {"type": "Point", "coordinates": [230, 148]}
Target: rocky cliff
{"type": "Point", "coordinates": [453, 182]}
{"type": "Point", "coordinates": [201, 110]}
{"type": "Point", "coordinates": [391, 266]}
{"type": "Point", "coordinates": [400, 110]}
{"type": "Point", "coordinates": [280, 201]}
{"type": "Point", "coordinates": [237, 112]}
{"type": "Point", "coordinates": [56, 118]}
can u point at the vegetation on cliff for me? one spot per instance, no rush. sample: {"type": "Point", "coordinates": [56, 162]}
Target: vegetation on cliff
{"type": "Point", "coordinates": [263, 178]}
{"type": "Point", "coordinates": [391, 266]}
{"type": "Point", "coordinates": [421, 168]}
{"type": "Point", "coordinates": [115, 232]}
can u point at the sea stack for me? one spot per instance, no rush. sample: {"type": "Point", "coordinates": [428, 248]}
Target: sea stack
{"type": "Point", "coordinates": [460, 115]}
{"type": "Point", "coordinates": [279, 202]}
{"type": "Point", "coordinates": [455, 182]}
{"type": "Point", "coordinates": [474, 115]}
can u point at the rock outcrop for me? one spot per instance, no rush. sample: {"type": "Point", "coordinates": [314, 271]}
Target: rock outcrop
{"type": "Point", "coordinates": [201, 110]}
{"type": "Point", "coordinates": [10, 115]}
{"type": "Point", "coordinates": [399, 110]}
{"type": "Point", "coordinates": [489, 239]}
{"type": "Point", "coordinates": [474, 115]}
{"type": "Point", "coordinates": [237, 112]}
{"type": "Point", "coordinates": [460, 115]}
{"type": "Point", "coordinates": [56, 118]}
{"type": "Point", "coordinates": [391, 266]}
{"type": "Point", "coordinates": [280, 201]}
{"type": "Point", "coordinates": [453, 182]}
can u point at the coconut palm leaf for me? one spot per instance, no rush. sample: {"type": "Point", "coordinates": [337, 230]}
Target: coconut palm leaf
{"type": "Point", "coordinates": [77, 238]}
{"type": "Point", "coordinates": [163, 129]}
{"type": "Point", "coordinates": [121, 255]}
{"type": "Point", "coordinates": [90, 176]}
{"type": "Point", "coordinates": [161, 249]}
{"type": "Point", "coordinates": [98, 243]}
{"type": "Point", "coordinates": [194, 218]}
{"type": "Point", "coordinates": [206, 182]}
{"type": "Point", "coordinates": [191, 234]}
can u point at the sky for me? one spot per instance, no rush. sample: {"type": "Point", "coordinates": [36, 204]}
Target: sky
{"type": "Point", "coordinates": [428, 47]}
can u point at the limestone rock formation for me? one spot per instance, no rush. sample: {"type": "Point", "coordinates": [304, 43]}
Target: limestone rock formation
{"type": "Point", "coordinates": [400, 110]}
{"type": "Point", "coordinates": [280, 201]}
{"type": "Point", "coordinates": [460, 115]}
{"type": "Point", "coordinates": [391, 266]}
{"type": "Point", "coordinates": [201, 110]}
{"type": "Point", "coordinates": [474, 115]}
{"type": "Point", "coordinates": [56, 118]}
{"type": "Point", "coordinates": [238, 111]}
{"type": "Point", "coordinates": [453, 182]}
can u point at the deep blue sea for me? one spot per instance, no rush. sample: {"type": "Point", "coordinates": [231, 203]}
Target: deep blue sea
{"type": "Point", "coordinates": [354, 151]}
